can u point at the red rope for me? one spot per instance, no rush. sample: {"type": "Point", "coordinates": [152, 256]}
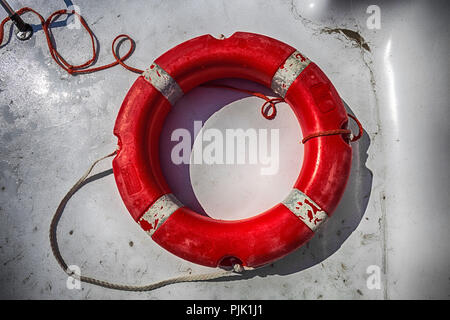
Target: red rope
{"type": "Point", "coordinates": [267, 112]}
{"type": "Point", "coordinates": [347, 132]}
{"type": "Point", "coordinates": [269, 101]}
{"type": "Point", "coordinates": [84, 67]}
{"type": "Point", "coordinates": [273, 101]}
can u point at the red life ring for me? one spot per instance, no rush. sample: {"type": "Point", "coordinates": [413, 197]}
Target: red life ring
{"type": "Point", "coordinates": [261, 239]}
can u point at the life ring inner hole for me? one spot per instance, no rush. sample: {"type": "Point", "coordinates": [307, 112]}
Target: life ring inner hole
{"type": "Point", "coordinates": [266, 159]}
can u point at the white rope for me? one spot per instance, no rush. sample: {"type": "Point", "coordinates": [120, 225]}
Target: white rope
{"type": "Point", "coordinates": [236, 269]}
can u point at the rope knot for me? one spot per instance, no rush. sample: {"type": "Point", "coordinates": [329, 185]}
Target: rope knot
{"type": "Point", "coordinates": [238, 268]}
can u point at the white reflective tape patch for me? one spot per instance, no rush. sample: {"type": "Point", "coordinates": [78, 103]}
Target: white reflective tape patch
{"type": "Point", "coordinates": [159, 212]}
{"type": "Point", "coordinates": [305, 209]}
{"type": "Point", "coordinates": [163, 82]}
{"type": "Point", "coordinates": [288, 72]}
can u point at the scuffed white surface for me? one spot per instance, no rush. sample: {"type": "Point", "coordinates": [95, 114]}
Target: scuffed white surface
{"type": "Point", "coordinates": [53, 125]}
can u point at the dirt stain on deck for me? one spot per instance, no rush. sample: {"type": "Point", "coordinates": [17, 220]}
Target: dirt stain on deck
{"type": "Point", "coordinates": [351, 35]}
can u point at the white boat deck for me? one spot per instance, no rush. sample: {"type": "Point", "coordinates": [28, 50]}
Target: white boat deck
{"type": "Point", "coordinates": [394, 216]}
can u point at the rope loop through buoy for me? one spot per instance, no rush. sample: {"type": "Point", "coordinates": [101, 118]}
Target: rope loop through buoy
{"type": "Point", "coordinates": [236, 269]}
{"type": "Point", "coordinates": [273, 112]}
